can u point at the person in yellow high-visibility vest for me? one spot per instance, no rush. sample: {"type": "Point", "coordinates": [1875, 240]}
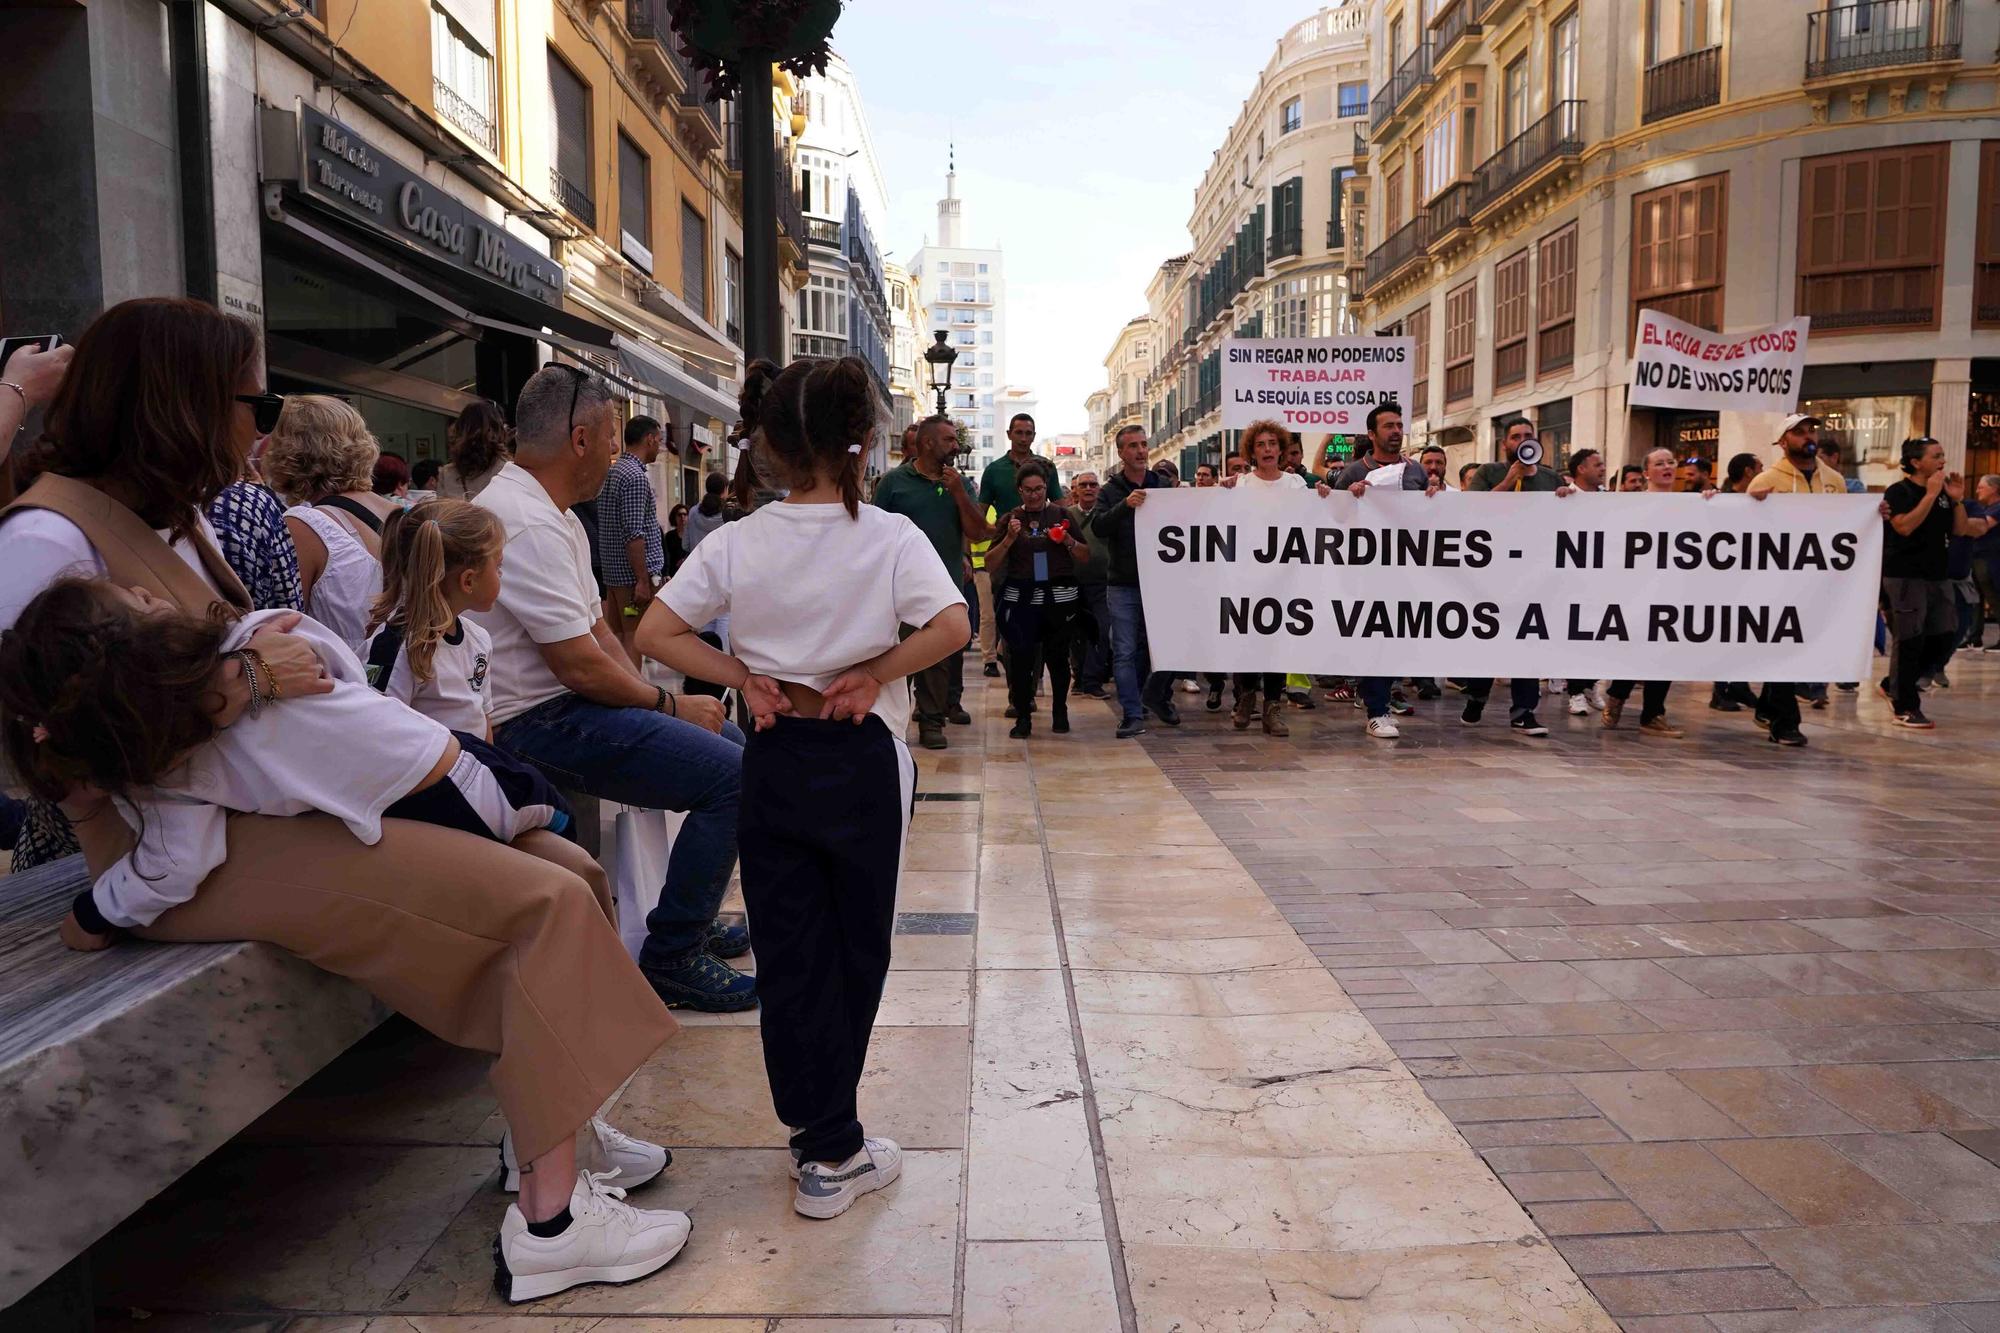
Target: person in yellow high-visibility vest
{"type": "Point", "coordinates": [989, 634]}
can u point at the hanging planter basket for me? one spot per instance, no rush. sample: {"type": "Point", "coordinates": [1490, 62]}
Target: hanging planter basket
{"type": "Point", "coordinates": [717, 35]}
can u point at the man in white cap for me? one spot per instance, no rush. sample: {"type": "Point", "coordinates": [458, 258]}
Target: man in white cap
{"type": "Point", "coordinates": [1799, 472]}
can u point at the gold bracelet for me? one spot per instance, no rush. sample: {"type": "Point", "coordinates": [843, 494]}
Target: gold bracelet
{"type": "Point", "coordinates": [264, 670]}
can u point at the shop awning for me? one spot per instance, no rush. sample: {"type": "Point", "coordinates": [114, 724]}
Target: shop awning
{"type": "Point", "coordinates": [668, 380]}
{"type": "Point", "coordinates": [687, 331]}
{"type": "Point", "coordinates": [498, 308]}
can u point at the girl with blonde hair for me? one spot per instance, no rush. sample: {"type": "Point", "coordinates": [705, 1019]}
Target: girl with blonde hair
{"type": "Point", "coordinates": [440, 559]}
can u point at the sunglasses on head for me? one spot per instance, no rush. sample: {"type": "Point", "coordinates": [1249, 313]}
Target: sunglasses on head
{"type": "Point", "coordinates": [577, 377]}
{"type": "Point", "coordinates": [264, 409]}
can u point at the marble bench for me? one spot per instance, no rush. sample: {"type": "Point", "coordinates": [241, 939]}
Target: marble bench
{"type": "Point", "coordinates": [120, 1070]}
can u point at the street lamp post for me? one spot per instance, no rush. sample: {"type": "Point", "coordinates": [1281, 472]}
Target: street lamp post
{"type": "Point", "coordinates": [940, 355]}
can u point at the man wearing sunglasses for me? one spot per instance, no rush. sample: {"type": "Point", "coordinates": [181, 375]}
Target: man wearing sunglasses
{"type": "Point", "coordinates": [567, 698]}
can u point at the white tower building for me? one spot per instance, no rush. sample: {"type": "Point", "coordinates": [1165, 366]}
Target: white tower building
{"type": "Point", "coordinates": [963, 287]}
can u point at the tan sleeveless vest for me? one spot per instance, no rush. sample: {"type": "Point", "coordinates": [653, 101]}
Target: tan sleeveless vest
{"type": "Point", "coordinates": [133, 554]}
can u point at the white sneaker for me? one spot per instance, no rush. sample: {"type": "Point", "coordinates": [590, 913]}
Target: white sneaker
{"type": "Point", "coordinates": [1383, 729]}
{"type": "Point", "coordinates": [1578, 706]}
{"type": "Point", "coordinates": [828, 1191]}
{"type": "Point", "coordinates": [1554, 686]}
{"type": "Point", "coordinates": [606, 1241]}
{"type": "Point", "coordinates": [1596, 697]}
{"type": "Point", "coordinates": [608, 1151]}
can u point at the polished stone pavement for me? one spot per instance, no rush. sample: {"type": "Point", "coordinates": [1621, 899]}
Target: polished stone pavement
{"type": "Point", "coordinates": [1722, 1016]}
{"type": "Point", "coordinates": [1706, 1022]}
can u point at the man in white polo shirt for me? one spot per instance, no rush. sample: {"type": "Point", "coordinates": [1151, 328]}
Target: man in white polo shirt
{"type": "Point", "coordinates": [568, 699]}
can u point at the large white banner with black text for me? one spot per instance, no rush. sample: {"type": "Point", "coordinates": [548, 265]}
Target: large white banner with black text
{"type": "Point", "coordinates": [1643, 587]}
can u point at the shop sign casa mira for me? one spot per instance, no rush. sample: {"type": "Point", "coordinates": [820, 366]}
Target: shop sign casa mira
{"type": "Point", "coordinates": [339, 167]}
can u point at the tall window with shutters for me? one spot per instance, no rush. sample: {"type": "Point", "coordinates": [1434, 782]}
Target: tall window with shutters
{"type": "Point", "coordinates": [694, 259]}
{"type": "Point", "coordinates": [1555, 302]}
{"type": "Point", "coordinates": [1871, 238]}
{"type": "Point", "coordinates": [1679, 250]}
{"type": "Point", "coordinates": [1461, 341]}
{"type": "Point", "coordinates": [1510, 321]}
{"type": "Point", "coordinates": [1419, 325]}
{"type": "Point", "coordinates": [569, 111]}
{"type": "Point", "coordinates": [1392, 204]}
{"type": "Point", "coordinates": [1287, 217]}
{"type": "Point", "coordinates": [635, 212]}
{"type": "Point", "coordinates": [1986, 277]}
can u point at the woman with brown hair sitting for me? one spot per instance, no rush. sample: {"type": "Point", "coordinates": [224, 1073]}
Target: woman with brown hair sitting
{"type": "Point", "coordinates": [482, 944]}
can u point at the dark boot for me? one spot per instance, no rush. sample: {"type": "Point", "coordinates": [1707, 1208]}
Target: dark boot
{"type": "Point", "coordinates": [1274, 718]}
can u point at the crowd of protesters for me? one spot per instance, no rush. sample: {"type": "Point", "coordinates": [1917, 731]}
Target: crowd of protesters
{"type": "Point", "coordinates": [277, 684]}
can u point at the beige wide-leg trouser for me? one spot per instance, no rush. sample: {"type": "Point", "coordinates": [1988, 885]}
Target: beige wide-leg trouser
{"type": "Point", "coordinates": [509, 950]}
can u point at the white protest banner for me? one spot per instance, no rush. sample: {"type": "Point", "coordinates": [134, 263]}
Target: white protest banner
{"type": "Point", "coordinates": [1679, 365]}
{"type": "Point", "coordinates": [1593, 586]}
{"type": "Point", "coordinates": [1323, 385]}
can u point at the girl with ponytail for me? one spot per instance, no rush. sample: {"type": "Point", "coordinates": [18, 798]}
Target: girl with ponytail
{"type": "Point", "coordinates": [440, 559]}
{"type": "Point", "coordinates": [819, 590]}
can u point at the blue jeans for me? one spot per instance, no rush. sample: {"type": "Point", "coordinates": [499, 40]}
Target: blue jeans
{"type": "Point", "coordinates": [1375, 695]}
{"type": "Point", "coordinates": [1131, 661]}
{"type": "Point", "coordinates": [638, 757]}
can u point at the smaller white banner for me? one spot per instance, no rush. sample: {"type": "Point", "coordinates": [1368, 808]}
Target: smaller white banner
{"type": "Point", "coordinates": [1314, 385]}
{"type": "Point", "coordinates": [1679, 365]}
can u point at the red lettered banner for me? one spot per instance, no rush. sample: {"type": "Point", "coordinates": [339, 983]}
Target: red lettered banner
{"type": "Point", "coordinates": [1679, 365]}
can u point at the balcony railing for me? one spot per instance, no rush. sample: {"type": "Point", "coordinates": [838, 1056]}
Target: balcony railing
{"type": "Point", "coordinates": [1881, 34]}
{"type": "Point", "coordinates": [1336, 234]}
{"type": "Point", "coordinates": [1681, 84]}
{"type": "Point", "coordinates": [576, 201]}
{"type": "Point", "coordinates": [1406, 245]}
{"type": "Point", "coordinates": [476, 124]}
{"type": "Point", "coordinates": [823, 231]}
{"type": "Point", "coordinates": [653, 37]}
{"type": "Point", "coordinates": [1360, 143]}
{"type": "Point", "coordinates": [1413, 74]}
{"type": "Point", "coordinates": [1288, 241]}
{"type": "Point", "coordinates": [1556, 135]}
{"type": "Point", "coordinates": [1453, 23]}
{"type": "Point", "coordinates": [1450, 210]}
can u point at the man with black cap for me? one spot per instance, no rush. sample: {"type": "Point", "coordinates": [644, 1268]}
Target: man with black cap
{"type": "Point", "coordinates": [1800, 471]}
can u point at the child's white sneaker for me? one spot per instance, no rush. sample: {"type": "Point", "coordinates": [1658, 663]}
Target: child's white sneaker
{"type": "Point", "coordinates": [828, 1190]}
{"type": "Point", "coordinates": [604, 1150]}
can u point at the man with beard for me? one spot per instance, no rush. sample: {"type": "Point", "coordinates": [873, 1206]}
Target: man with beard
{"type": "Point", "coordinates": [1385, 449]}
{"type": "Point", "coordinates": [1799, 472]}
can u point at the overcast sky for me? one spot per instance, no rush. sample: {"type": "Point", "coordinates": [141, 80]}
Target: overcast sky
{"type": "Point", "coordinates": [1083, 127]}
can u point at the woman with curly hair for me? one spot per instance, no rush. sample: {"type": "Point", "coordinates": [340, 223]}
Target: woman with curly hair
{"type": "Point", "coordinates": [322, 461]}
{"type": "Point", "coordinates": [479, 442]}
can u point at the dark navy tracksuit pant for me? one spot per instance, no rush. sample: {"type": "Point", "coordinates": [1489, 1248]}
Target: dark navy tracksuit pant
{"type": "Point", "coordinates": [824, 815]}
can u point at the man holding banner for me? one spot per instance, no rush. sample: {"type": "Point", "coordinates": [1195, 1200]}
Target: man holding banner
{"type": "Point", "coordinates": [1799, 472]}
{"type": "Point", "coordinates": [1385, 452]}
{"type": "Point", "coordinates": [1118, 504]}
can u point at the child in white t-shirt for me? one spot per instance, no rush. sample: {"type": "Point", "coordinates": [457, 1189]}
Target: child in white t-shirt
{"type": "Point", "coordinates": [109, 687]}
{"type": "Point", "coordinates": [818, 589]}
{"type": "Point", "coordinates": [440, 559]}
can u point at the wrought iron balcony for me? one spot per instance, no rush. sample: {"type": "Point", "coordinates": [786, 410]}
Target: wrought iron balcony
{"type": "Point", "coordinates": [1681, 84]}
{"type": "Point", "coordinates": [1290, 241]}
{"type": "Point", "coordinates": [1336, 234]}
{"type": "Point", "coordinates": [1403, 248]}
{"type": "Point", "coordinates": [700, 119]}
{"type": "Point", "coordinates": [1413, 75]}
{"type": "Point", "coordinates": [474, 122]}
{"type": "Point", "coordinates": [1450, 211]}
{"type": "Point", "coordinates": [1453, 24]}
{"type": "Point", "coordinates": [1551, 139]}
{"type": "Point", "coordinates": [1881, 34]}
{"type": "Point", "coordinates": [576, 200]}
{"type": "Point", "coordinates": [823, 231]}
{"type": "Point", "coordinates": [654, 44]}
{"type": "Point", "coordinates": [1360, 144]}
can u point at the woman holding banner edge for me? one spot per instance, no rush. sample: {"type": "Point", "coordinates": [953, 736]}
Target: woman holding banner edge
{"type": "Point", "coordinates": [1264, 445]}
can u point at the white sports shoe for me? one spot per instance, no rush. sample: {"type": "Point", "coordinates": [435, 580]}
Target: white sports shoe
{"type": "Point", "coordinates": [1383, 729]}
{"type": "Point", "coordinates": [607, 1241]}
{"type": "Point", "coordinates": [1596, 697]}
{"type": "Point", "coordinates": [829, 1190]}
{"type": "Point", "coordinates": [1554, 686]}
{"type": "Point", "coordinates": [1578, 706]}
{"type": "Point", "coordinates": [608, 1151]}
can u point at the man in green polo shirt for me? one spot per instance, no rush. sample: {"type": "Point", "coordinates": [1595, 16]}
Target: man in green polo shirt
{"type": "Point", "coordinates": [929, 492]}
{"type": "Point", "coordinates": [996, 484]}
{"type": "Point", "coordinates": [1514, 475]}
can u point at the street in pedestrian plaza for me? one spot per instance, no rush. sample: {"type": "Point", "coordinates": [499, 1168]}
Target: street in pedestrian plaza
{"type": "Point", "coordinates": [1473, 1034]}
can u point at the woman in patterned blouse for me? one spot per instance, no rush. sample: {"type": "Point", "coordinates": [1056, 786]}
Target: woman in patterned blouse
{"type": "Point", "coordinates": [250, 528]}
